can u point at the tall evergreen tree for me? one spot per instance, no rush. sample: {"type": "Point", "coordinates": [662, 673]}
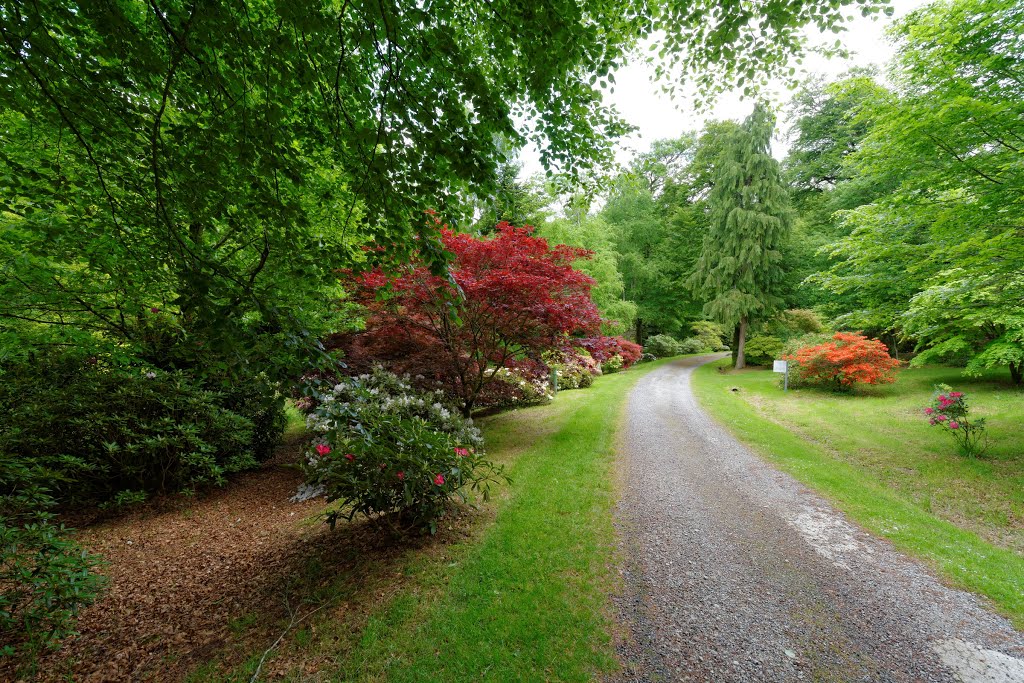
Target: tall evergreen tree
{"type": "Point", "coordinates": [740, 270]}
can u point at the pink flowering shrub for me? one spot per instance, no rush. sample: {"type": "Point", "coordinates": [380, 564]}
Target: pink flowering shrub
{"type": "Point", "coordinates": [604, 349]}
{"type": "Point", "coordinates": [949, 411]}
{"type": "Point", "coordinates": [384, 449]}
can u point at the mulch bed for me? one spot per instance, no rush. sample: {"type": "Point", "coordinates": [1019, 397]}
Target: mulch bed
{"type": "Point", "coordinates": [206, 579]}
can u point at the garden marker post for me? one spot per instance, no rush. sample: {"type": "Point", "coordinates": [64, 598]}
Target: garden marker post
{"type": "Point", "coordinates": [783, 367]}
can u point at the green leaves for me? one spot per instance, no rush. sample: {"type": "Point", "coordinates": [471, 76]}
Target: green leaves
{"type": "Point", "coordinates": [740, 269]}
{"type": "Point", "coordinates": [937, 253]}
{"type": "Point", "coordinates": [223, 160]}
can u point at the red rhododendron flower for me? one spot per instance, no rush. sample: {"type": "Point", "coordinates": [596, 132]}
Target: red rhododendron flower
{"type": "Point", "coordinates": [350, 457]}
{"type": "Point", "coordinates": [322, 449]}
{"type": "Point", "coordinates": [439, 480]}
{"type": "Point", "coordinates": [401, 476]}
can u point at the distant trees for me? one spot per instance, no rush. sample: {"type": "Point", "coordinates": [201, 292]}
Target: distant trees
{"type": "Point", "coordinates": [594, 234]}
{"type": "Point", "coordinates": [740, 269]}
{"type": "Point", "coordinates": [936, 255]}
{"type": "Point", "coordinates": [648, 259]}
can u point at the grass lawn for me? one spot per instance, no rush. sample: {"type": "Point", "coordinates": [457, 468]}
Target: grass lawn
{"type": "Point", "coordinates": [875, 456]}
{"type": "Point", "coordinates": [522, 595]}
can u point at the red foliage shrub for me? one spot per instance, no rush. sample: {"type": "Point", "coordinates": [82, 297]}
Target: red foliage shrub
{"type": "Point", "coordinates": [503, 300]}
{"type": "Point", "coordinates": [603, 348]}
{"type": "Point", "coordinates": [848, 359]}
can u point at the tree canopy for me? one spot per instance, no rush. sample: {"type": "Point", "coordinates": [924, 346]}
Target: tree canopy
{"type": "Point", "coordinates": [220, 160]}
{"type": "Point", "coordinates": [938, 257]}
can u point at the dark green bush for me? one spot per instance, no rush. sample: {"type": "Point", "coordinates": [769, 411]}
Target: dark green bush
{"type": "Point", "coordinates": [45, 578]}
{"type": "Point", "coordinates": [762, 349]}
{"type": "Point", "coordinates": [662, 346]}
{"type": "Point", "coordinates": [113, 434]}
{"type": "Point", "coordinates": [257, 401]}
{"type": "Point", "coordinates": [694, 345]}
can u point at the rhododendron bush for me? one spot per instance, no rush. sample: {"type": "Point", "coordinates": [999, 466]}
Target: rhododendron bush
{"type": "Point", "coordinates": [605, 349]}
{"type": "Point", "coordinates": [504, 302]}
{"type": "Point", "coordinates": [381, 447]}
{"type": "Point", "coordinates": [949, 411]}
{"type": "Point", "coordinates": [575, 368]}
{"type": "Point", "coordinates": [521, 383]}
{"type": "Point", "coordinates": [848, 359]}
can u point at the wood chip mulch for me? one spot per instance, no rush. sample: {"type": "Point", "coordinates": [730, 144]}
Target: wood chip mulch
{"type": "Point", "coordinates": [182, 580]}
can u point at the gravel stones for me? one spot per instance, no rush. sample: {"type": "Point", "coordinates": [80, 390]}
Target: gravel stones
{"type": "Point", "coordinates": [733, 571]}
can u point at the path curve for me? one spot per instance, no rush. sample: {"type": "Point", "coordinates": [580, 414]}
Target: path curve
{"type": "Point", "coordinates": [736, 572]}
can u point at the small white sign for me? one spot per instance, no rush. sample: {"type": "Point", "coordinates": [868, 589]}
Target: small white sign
{"type": "Point", "coordinates": [780, 366]}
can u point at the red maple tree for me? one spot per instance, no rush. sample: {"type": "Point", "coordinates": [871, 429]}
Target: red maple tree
{"type": "Point", "coordinates": [848, 359]}
{"type": "Point", "coordinates": [503, 300]}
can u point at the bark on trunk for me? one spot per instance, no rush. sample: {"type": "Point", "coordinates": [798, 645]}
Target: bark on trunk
{"type": "Point", "coordinates": [1017, 372]}
{"type": "Point", "coordinates": [734, 348]}
{"type": "Point", "coordinates": [741, 361]}
{"type": "Point", "coordinates": [639, 331]}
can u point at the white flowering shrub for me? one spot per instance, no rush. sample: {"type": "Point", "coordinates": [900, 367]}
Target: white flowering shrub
{"type": "Point", "coordinates": [516, 387]}
{"type": "Point", "coordinates": [383, 447]}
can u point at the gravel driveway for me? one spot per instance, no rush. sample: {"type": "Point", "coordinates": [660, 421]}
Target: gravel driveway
{"type": "Point", "coordinates": [736, 572]}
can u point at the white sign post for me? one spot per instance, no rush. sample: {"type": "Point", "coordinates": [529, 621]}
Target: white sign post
{"type": "Point", "coordinates": [783, 367]}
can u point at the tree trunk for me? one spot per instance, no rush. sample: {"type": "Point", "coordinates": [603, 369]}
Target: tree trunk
{"type": "Point", "coordinates": [734, 348]}
{"type": "Point", "coordinates": [639, 331]}
{"type": "Point", "coordinates": [1017, 372]}
{"type": "Point", "coordinates": [741, 361]}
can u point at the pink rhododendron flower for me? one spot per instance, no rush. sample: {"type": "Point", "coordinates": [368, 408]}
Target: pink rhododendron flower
{"type": "Point", "coordinates": [941, 418]}
{"type": "Point", "coordinates": [322, 449]}
{"type": "Point", "coordinates": [439, 480]}
{"type": "Point", "coordinates": [401, 476]}
{"type": "Point", "coordinates": [461, 451]}
{"type": "Point", "coordinates": [954, 425]}
{"type": "Point", "coordinates": [929, 411]}
{"type": "Point", "coordinates": [956, 394]}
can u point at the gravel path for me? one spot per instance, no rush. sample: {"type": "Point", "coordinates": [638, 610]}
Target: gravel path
{"type": "Point", "coordinates": [736, 572]}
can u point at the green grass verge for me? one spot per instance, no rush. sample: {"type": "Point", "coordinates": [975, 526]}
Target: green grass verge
{"type": "Point", "coordinates": [528, 602]}
{"type": "Point", "coordinates": [874, 456]}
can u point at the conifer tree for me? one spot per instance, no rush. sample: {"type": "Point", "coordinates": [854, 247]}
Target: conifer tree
{"type": "Point", "coordinates": [740, 271]}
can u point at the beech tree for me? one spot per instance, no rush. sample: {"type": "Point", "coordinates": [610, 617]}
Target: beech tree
{"type": "Point", "coordinates": [937, 257]}
{"type": "Point", "coordinates": [505, 299]}
{"type": "Point", "coordinates": [220, 160]}
{"type": "Point", "coordinates": [740, 269]}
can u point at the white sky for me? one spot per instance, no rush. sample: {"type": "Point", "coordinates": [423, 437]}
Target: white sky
{"type": "Point", "coordinates": [641, 102]}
